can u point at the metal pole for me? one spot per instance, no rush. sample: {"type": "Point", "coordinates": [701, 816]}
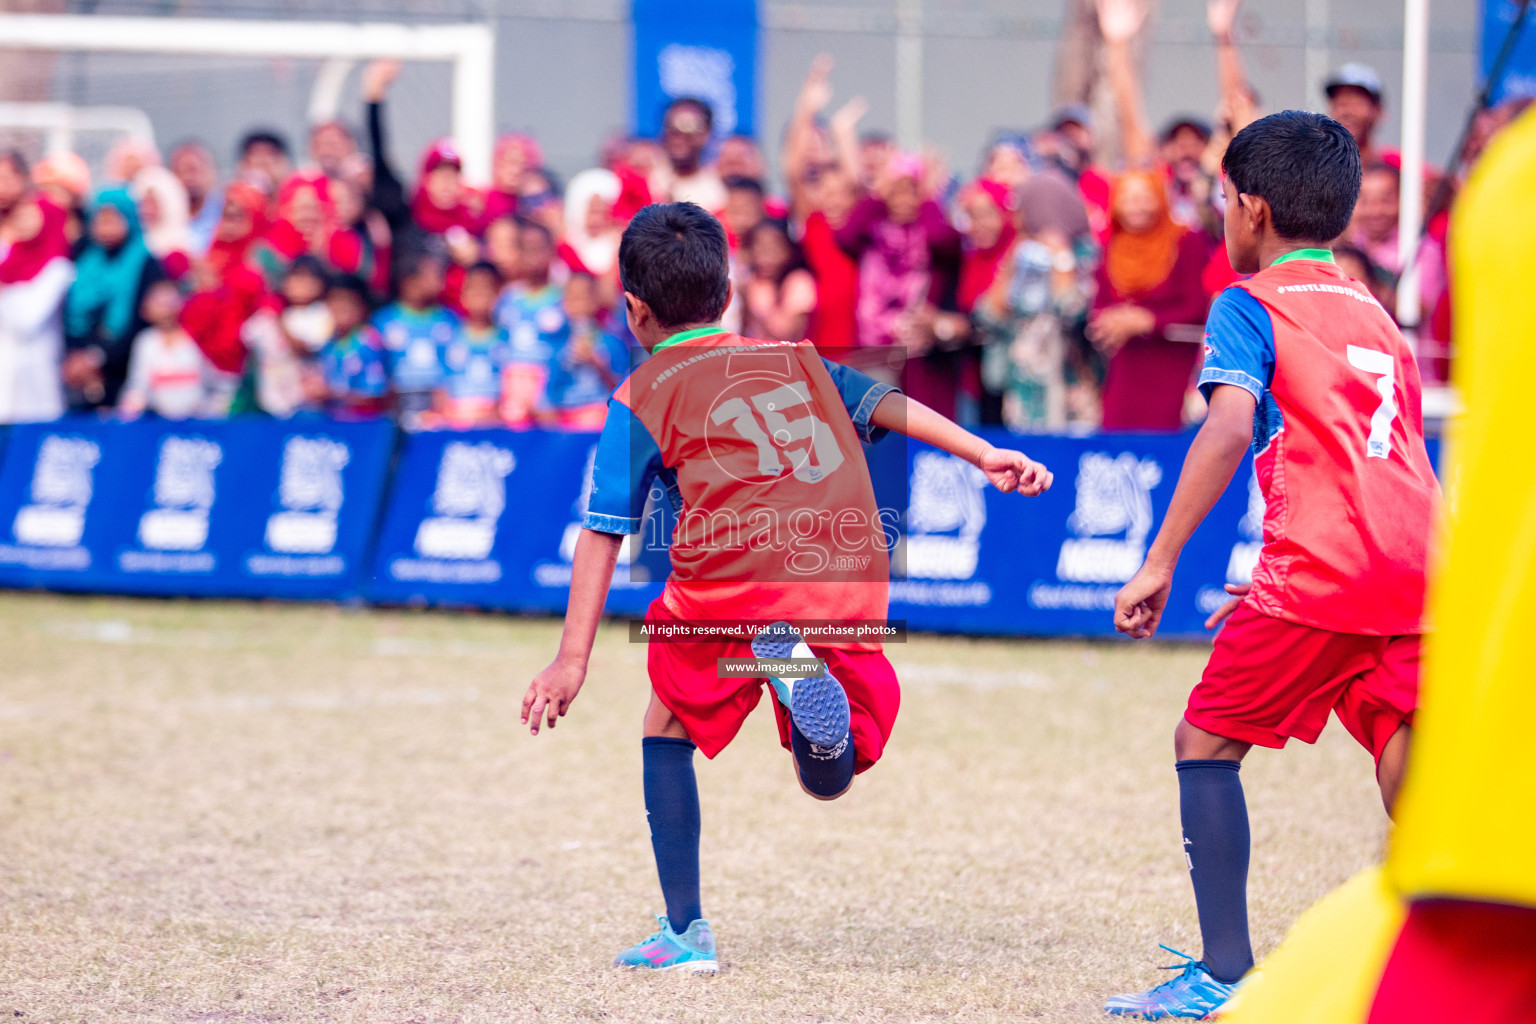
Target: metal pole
{"type": "Point", "coordinates": [325, 94]}
{"type": "Point", "coordinates": [471, 48]}
{"type": "Point", "coordinates": [474, 105]}
{"type": "Point", "coordinates": [1317, 56]}
{"type": "Point", "coordinates": [909, 74]}
{"type": "Point", "coordinates": [1411, 209]}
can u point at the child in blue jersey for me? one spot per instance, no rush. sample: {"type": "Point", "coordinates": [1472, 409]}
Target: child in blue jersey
{"type": "Point", "coordinates": [586, 365]}
{"type": "Point", "coordinates": [469, 394]}
{"type": "Point", "coordinates": [415, 329]}
{"type": "Point", "coordinates": [530, 311]}
{"type": "Point", "coordinates": [353, 374]}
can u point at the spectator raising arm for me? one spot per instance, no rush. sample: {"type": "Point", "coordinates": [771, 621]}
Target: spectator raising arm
{"type": "Point", "coordinates": [1119, 21]}
{"type": "Point", "coordinates": [1236, 92]}
{"type": "Point", "coordinates": [844, 130]}
{"type": "Point", "coordinates": [802, 142]}
{"type": "Point", "coordinates": [800, 138]}
{"type": "Point", "coordinates": [388, 196]}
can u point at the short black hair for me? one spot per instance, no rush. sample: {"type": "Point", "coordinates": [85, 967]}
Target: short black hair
{"type": "Point", "coordinates": [701, 106]}
{"type": "Point", "coordinates": [1381, 167]}
{"type": "Point", "coordinates": [339, 123]}
{"type": "Point", "coordinates": [742, 183]}
{"type": "Point", "coordinates": [16, 159]}
{"type": "Point", "coordinates": [304, 263]}
{"type": "Point", "coordinates": [482, 267]}
{"type": "Point", "coordinates": [673, 257]}
{"type": "Point", "coordinates": [525, 224]}
{"type": "Point", "coordinates": [1179, 122]}
{"type": "Point", "coordinates": [1353, 252]}
{"type": "Point", "coordinates": [1305, 165]}
{"type": "Point", "coordinates": [408, 263]}
{"type": "Point", "coordinates": [264, 137]}
{"type": "Point", "coordinates": [350, 284]}
{"type": "Point", "coordinates": [193, 142]}
{"type": "Point", "coordinates": [781, 228]}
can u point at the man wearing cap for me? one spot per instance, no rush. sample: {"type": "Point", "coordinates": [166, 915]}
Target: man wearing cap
{"type": "Point", "coordinates": [1354, 100]}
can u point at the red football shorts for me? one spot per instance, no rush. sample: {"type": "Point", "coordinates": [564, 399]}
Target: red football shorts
{"type": "Point", "coordinates": [686, 679]}
{"type": "Point", "coordinates": [1269, 680]}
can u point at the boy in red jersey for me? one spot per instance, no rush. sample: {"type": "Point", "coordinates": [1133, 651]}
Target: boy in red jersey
{"type": "Point", "coordinates": [1303, 364]}
{"type": "Point", "coordinates": [759, 446]}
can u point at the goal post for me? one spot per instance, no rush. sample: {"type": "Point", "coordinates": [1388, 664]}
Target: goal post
{"type": "Point", "coordinates": [468, 47]}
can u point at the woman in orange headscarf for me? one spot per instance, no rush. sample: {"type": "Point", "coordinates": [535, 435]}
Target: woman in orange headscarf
{"type": "Point", "coordinates": [1149, 308]}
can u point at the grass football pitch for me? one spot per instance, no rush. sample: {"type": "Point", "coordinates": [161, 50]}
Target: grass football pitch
{"type": "Point", "coordinates": [256, 812]}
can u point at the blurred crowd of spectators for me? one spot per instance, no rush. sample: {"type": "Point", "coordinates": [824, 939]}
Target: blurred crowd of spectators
{"type": "Point", "coordinates": [1047, 293]}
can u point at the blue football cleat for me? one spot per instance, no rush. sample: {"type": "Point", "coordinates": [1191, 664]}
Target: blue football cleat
{"type": "Point", "coordinates": [1193, 994]}
{"type": "Point", "coordinates": [817, 706]}
{"type": "Point", "coordinates": [692, 952]}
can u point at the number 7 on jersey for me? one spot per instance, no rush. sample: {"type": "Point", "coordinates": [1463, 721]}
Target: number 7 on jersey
{"type": "Point", "coordinates": [1381, 366]}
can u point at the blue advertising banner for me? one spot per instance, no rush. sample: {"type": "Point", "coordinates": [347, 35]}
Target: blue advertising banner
{"type": "Point", "coordinates": [974, 560]}
{"type": "Point", "coordinates": [250, 507]}
{"type": "Point", "coordinates": [1519, 77]}
{"type": "Point", "coordinates": [706, 49]}
{"type": "Point", "coordinates": [489, 518]}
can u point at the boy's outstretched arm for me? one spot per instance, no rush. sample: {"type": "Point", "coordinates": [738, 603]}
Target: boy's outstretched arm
{"type": "Point", "coordinates": [554, 689]}
{"type": "Point", "coordinates": [1007, 470]}
{"type": "Point", "coordinates": [1213, 457]}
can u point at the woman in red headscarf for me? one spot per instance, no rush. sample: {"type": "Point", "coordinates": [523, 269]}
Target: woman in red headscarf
{"type": "Point", "coordinates": [441, 215]}
{"type": "Point", "coordinates": [229, 288]}
{"type": "Point", "coordinates": [1149, 308]}
{"type": "Point", "coordinates": [304, 223]}
{"type": "Point", "coordinates": [308, 223]}
{"type": "Point", "coordinates": [441, 202]}
{"type": "Point", "coordinates": [988, 237]}
{"type": "Point", "coordinates": [35, 275]}
{"type": "Point", "coordinates": [516, 154]}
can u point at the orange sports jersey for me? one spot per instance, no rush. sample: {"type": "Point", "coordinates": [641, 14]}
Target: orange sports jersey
{"type": "Point", "coordinates": [759, 446]}
{"type": "Point", "coordinates": [1350, 497]}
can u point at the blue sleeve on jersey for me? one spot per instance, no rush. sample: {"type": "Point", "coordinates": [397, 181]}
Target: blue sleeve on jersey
{"type": "Point", "coordinates": [627, 462]}
{"type": "Point", "coordinates": [1239, 345]}
{"type": "Point", "coordinates": [860, 394]}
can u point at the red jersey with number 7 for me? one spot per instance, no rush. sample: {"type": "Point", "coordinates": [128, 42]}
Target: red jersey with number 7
{"type": "Point", "coordinates": [759, 445]}
{"type": "Point", "coordinates": [1351, 499]}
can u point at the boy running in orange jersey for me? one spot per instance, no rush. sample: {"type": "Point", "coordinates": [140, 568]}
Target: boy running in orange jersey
{"type": "Point", "coordinates": [759, 444]}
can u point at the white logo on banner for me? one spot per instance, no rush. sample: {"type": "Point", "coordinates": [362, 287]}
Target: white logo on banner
{"type": "Point", "coordinates": [61, 489]}
{"type": "Point", "coordinates": [184, 492]}
{"type": "Point", "coordinates": [1114, 496]}
{"type": "Point", "coordinates": [470, 496]}
{"type": "Point", "coordinates": [310, 492]}
{"type": "Point", "coordinates": [704, 72]}
{"type": "Point", "coordinates": [573, 529]}
{"type": "Point", "coordinates": [558, 574]}
{"type": "Point", "coordinates": [945, 518]}
{"type": "Point", "coordinates": [1245, 553]}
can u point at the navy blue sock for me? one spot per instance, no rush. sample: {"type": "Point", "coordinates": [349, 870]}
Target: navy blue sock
{"type": "Point", "coordinates": [824, 776]}
{"type": "Point", "coordinates": [672, 805]}
{"type": "Point", "coordinates": [1215, 818]}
